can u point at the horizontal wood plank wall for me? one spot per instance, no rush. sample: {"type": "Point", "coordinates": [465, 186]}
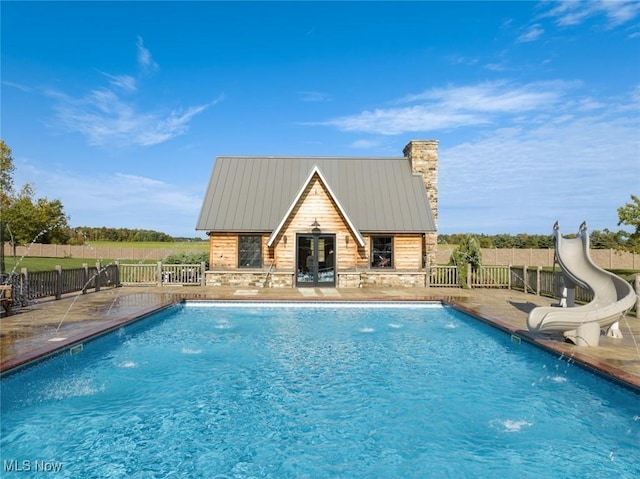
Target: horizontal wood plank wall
{"type": "Point", "coordinates": [223, 251]}
{"type": "Point", "coordinates": [316, 204]}
{"type": "Point", "coordinates": [407, 252]}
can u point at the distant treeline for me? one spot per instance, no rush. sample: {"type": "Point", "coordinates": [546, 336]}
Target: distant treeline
{"type": "Point", "coordinates": [83, 234]}
{"type": "Point", "coordinates": [604, 239]}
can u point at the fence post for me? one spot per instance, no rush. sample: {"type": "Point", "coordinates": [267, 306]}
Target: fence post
{"type": "Point", "coordinates": [85, 277]}
{"type": "Point", "coordinates": [427, 278]}
{"type": "Point", "coordinates": [538, 280]}
{"type": "Point", "coordinates": [58, 282]}
{"type": "Point", "coordinates": [525, 279]}
{"type": "Point", "coordinates": [203, 268]}
{"type": "Point", "coordinates": [118, 274]}
{"type": "Point", "coordinates": [97, 276]}
{"type": "Point", "coordinates": [509, 277]}
{"type": "Point", "coordinates": [469, 278]}
{"type": "Point", "coordinates": [24, 286]}
{"type": "Point", "coordinates": [159, 273]}
{"type": "Point", "coordinates": [637, 290]}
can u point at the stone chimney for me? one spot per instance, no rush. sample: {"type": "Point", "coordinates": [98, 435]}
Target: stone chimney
{"type": "Point", "coordinates": [423, 156]}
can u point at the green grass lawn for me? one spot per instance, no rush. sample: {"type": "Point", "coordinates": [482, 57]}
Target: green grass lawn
{"type": "Point", "coordinates": [178, 246]}
{"type": "Point", "coordinates": [34, 263]}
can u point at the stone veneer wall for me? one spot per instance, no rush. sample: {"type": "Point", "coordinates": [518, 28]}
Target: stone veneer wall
{"type": "Point", "coordinates": [352, 279]}
{"type": "Point", "coordinates": [249, 279]}
{"type": "Point", "coordinates": [393, 280]}
{"type": "Point", "coordinates": [423, 155]}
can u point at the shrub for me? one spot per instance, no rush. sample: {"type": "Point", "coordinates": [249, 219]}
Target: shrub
{"type": "Point", "coordinates": [187, 258]}
{"type": "Point", "coordinates": [467, 252]}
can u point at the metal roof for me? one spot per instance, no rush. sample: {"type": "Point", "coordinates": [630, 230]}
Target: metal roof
{"type": "Point", "coordinates": [252, 194]}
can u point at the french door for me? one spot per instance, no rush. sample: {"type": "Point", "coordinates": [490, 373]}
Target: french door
{"type": "Point", "coordinates": [315, 260]}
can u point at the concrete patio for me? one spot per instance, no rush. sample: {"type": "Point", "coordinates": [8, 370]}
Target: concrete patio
{"type": "Point", "coordinates": [49, 326]}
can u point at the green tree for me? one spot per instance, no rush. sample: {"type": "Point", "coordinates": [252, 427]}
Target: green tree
{"type": "Point", "coordinates": [629, 215]}
{"type": "Point", "coordinates": [29, 219]}
{"type": "Point", "coordinates": [38, 220]}
{"type": "Point", "coordinates": [6, 174]}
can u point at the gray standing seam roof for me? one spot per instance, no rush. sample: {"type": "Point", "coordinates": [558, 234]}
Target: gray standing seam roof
{"type": "Point", "coordinates": [252, 194]}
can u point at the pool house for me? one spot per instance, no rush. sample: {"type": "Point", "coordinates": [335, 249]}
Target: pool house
{"type": "Point", "coordinates": [276, 221]}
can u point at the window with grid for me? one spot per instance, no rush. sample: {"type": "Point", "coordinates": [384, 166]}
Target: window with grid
{"type": "Point", "coordinates": [250, 251]}
{"type": "Point", "coordinates": [382, 251]}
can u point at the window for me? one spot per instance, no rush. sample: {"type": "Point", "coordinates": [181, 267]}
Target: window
{"type": "Point", "coordinates": [382, 251]}
{"type": "Point", "coordinates": [250, 251]}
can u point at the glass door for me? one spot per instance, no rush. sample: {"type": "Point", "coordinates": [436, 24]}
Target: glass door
{"type": "Point", "coordinates": [315, 260]}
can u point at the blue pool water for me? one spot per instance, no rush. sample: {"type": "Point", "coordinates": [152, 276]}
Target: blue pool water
{"type": "Point", "coordinates": [315, 392]}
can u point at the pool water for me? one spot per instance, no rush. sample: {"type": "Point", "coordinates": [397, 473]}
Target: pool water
{"type": "Point", "coordinates": [203, 391]}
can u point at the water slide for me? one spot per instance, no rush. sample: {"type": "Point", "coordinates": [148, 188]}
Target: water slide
{"type": "Point", "coordinates": [612, 295]}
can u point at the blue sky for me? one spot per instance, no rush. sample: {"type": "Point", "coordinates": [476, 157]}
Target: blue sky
{"type": "Point", "coordinates": [119, 109]}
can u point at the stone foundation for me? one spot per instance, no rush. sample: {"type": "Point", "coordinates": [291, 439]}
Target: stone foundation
{"type": "Point", "coordinates": [350, 279]}
{"type": "Point", "coordinates": [376, 279]}
{"type": "Point", "coordinates": [235, 279]}
{"type": "Point", "coordinates": [249, 279]}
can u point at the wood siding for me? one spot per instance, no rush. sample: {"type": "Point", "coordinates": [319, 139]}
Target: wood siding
{"type": "Point", "coordinates": [407, 250]}
{"type": "Point", "coordinates": [316, 204]}
{"type": "Point", "coordinates": [223, 251]}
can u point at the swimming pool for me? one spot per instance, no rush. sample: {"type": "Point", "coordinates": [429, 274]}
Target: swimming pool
{"type": "Point", "coordinates": [308, 390]}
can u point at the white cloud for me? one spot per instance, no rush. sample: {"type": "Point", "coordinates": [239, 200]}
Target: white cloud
{"type": "Point", "coordinates": [457, 106]}
{"type": "Point", "coordinates": [365, 144]}
{"type": "Point", "coordinates": [531, 34]}
{"type": "Point", "coordinates": [124, 82]}
{"type": "Point", "coordinates": [102, 117]}
{"type": "Point", "coordinates": [616, 12]}
{"type": "Point", "coordinates": [18, 86]}
{"type": "Point", "coordinates": [145, 61]}
{"type": "Point", "coordinates": [524, 179]}
{"type": "Point", "coordinates": [314, 96]}
{"type": "Point", "coordinates": [496, 96]}
{"type": "Point", "coordinates": [536, 152]}
{"type": "Point", "coordinates": [118, 199]}
{"type": "Point", "coordinates": [394, 121]}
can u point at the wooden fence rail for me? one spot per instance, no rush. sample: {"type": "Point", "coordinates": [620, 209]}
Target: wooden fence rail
{"type": "Point", "coordinates": [28, 285]}
{"type": "Point", "coordinates": [163, 274]}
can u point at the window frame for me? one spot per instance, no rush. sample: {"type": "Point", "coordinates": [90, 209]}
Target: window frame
{"type": "Point", "coordinates": [382, 254]}
{"type": "Point", "coordinates": [241, 251]}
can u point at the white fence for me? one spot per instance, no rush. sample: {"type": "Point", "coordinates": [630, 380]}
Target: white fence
{"type": "Point", "coordinates": [161, 274]}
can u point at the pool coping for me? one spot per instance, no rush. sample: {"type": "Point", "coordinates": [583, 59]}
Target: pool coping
{"type": "Point", "coordinates": [558, 349]}
{"type": "Point", "coordinates": [544, 342]}
{"type": "Point", "coordinates": [49, 349]}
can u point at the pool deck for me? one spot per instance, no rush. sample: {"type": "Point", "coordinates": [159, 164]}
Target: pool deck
{"type": "Point", "coordinates": [49, 326]}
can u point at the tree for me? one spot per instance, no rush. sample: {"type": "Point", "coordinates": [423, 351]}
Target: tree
{"type": "Point", "coordinates": [29, 219]}
{"type": "Point", "coordinates": [629, 215]}
{"type": "Point", "coordinates": [6, 174]}
{"type": "Point", "coordinates": [38, 220]}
